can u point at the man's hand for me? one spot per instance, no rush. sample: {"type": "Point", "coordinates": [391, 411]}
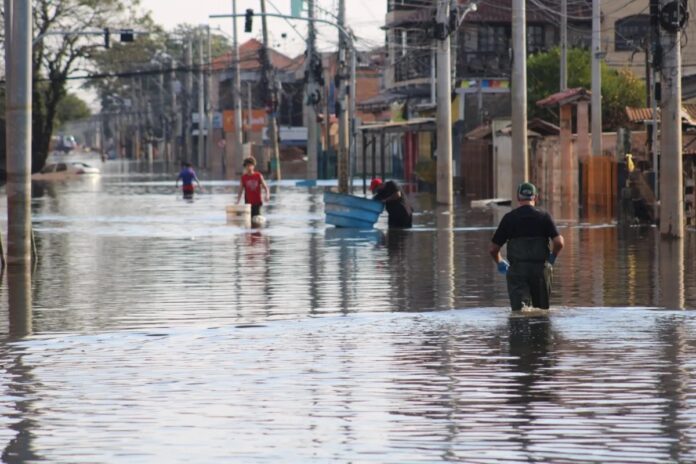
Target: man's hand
{"type": "Point", "coordinates": [503, 266]}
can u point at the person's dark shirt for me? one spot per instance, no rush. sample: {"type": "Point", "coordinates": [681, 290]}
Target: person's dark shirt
{"type": "Point", "coordinates": [525, 222]}
{"type": "Point", "coordinates": [400, 213]}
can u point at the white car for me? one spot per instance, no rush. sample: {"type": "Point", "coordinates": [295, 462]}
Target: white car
{"type": "Point", "coordinates": [60, 171]}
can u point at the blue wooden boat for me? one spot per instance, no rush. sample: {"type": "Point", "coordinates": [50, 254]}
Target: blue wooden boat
{"type": "Point", "coordinates": [351, 211]}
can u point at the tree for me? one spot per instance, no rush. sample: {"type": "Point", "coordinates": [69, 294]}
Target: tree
{"type": "Point", "coordinates": [145, 69]}
{"type": "Point", "coordinates": [620, 88]}
{"type": "Point", "coordinates": [59, 52]}
{"type": "Point", "coordinates": [71, 108]}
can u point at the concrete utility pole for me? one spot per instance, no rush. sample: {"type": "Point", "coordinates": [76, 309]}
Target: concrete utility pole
{"type": "Point", "coordinates": [201, 103]}
{"type": "Point", "coordinates": [237, 96]}
{"type": "Point", "coordinates": [444, 105]}
{"type": "Point", "coordinates": [175, 130]}
{"type": "Point", "coordinates": [188, 102]}
{"type": "Point", "coordinates": [596, 78]}
{"type": "Point", "coordinates": [342, 104]}
{"type": "Point", "coordinates": [312, 101]}
{"type": "Point", "coordinates": [18, 53]}
{"type": "Point", "coordinates": [520, 162]}
{"type": "Point", "coordinates": [209, 103]}
{"type": "Point", "coordinates": [671, 180]}
{"type": "Point", "coordinates": [353, 94]}
{"type": "Point", "coordinates": [564, 45]}
{"type": "Point", "coordinates": [271, 100]}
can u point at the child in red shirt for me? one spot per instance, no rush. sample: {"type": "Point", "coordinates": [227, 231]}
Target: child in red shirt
{"type": "Point", "coordinates": [251, 186]}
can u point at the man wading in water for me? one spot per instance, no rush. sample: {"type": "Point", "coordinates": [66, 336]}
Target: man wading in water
{"type": "Point", "coordinates": [527, 232]}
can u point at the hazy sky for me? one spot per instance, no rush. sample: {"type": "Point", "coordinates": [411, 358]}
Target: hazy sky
{"type": "Point", "coordinates": [364, 16]}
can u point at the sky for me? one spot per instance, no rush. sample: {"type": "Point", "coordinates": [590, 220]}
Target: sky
{"type": "Point", "coordinates": [365, 17]}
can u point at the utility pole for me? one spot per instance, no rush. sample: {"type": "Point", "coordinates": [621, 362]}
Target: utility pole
{"type": "Point", "coordinates": [271, 99]}
{"type": "Point", "coordinates": [353, 94]}
{"type": "Point", "coordinates": [596, 78]}
{"type": "Point", "coordinates": [313, 65]}
{"type": "Point", "coordinates": [653, 50]}
{"type": "Point", "coordinates": [444, 104]}
{"type": "Point", "coordinates": [201, 103]}
{"type": "Point", "coordinates": [237, 95]}
{"type": "Point", "coordinates": [671, 180]}
{"type": "Point", "coordinates": [209, 103]}
{"type": "Point", "coordinates": [342, 103]}
{"type": "Point", "coordinates": [188, 102]}
{"type": "Point", "coordinates": [520, 163]}
{"type": "Point", "coordinates": [18, 54]}
{"type": "Point", "coordinates": [564, 45]}
{"type": "Point", "coordinates": [175, 130]}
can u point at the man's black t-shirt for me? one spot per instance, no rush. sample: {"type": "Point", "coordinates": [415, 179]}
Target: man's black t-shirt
{"type": "Point", "coordinates": [400, 213]}
{"type": "Point", "coordinates": [525, 222]}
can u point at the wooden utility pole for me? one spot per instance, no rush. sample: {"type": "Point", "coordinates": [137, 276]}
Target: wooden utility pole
{"type": "Point", "coordinates": [520, 163]}
{"type": "Point", "coordinates": [444, 104]}
{"type": "Point", "coordinates": [271, 100]}
{"type": "Point", "coordinates": [671, 180]}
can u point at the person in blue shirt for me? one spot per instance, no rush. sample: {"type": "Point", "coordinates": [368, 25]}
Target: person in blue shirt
{"type": "Point", "coordinates": [187, 176]}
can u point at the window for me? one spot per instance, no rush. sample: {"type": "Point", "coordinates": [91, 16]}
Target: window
{"type": "Point", "coordinates": [536, 38]}
{"type": "Point", "coordinates": [630, 32]}
{"type": "Point", "coordinates": [493, 39]}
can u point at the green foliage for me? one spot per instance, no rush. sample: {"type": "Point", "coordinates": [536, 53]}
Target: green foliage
{"type": "Point", "coordinates": [620, 88]}
{"type": "Point", "coordinates": [71, 108]}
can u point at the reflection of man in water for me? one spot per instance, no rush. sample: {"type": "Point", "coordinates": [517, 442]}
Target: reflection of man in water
{"type": "Point", "coordinates": [527, 231]}
{"type": "Point", "coordinates": [400, 213]}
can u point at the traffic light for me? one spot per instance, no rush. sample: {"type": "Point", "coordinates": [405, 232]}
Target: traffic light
{"type": "Point", "coordinates": [248, 20]}
{"type": "Point", "coordinates": [127, 35]}
{"type": "Point", "coordinates": [107, 38]}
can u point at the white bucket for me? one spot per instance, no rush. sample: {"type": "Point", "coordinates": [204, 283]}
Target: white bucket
{"type": "Point", "coordinates": [239, 215]}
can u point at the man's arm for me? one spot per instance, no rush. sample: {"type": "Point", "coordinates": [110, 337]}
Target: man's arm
{"type": "Point", "coordinates": [557, 244]}
{"type": "Point", "coordinates": [495, 252]}
{"type": "Point", "coordinates": [264, 186]}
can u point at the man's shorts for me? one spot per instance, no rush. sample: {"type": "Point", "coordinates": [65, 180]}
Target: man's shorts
{"type": "Point", "coordinates": [187, 191]}
{"type": "Point", "coordinates": [529, 284]}
{"type": "Point", "coordinates": [255, 210]}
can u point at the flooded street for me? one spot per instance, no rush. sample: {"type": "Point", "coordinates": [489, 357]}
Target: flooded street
{"type": "Point", "coordinates": [158, 333]}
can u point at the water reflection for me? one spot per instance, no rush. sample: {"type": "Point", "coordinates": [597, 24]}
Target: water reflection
{"type": "Point", "coordinates": [19, 299]}
{"type": "Point", "coordinates": [444, 265]}
{"type": "Point", "coordinates": [529, 345]}
{"type": "Point", "coordinates": [671, 283]}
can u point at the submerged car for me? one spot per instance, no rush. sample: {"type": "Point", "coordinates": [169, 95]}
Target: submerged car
{"type": "Point", "coordinates": [59, 171]}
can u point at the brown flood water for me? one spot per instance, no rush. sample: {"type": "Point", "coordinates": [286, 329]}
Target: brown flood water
{"type": "Point", "coordinates": [158, 333]}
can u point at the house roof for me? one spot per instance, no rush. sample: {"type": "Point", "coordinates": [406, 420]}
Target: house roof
{"type": "Point", "coordinates": [400, 126]}
{"type": "Point", "coordinates": [565, 97]}
{"type": "Point", "coordinates": [249, 58]}
{"type": "Point", "coordinates": [640, 115]}
{"type": "Point", "coordinates": [535, 128]}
